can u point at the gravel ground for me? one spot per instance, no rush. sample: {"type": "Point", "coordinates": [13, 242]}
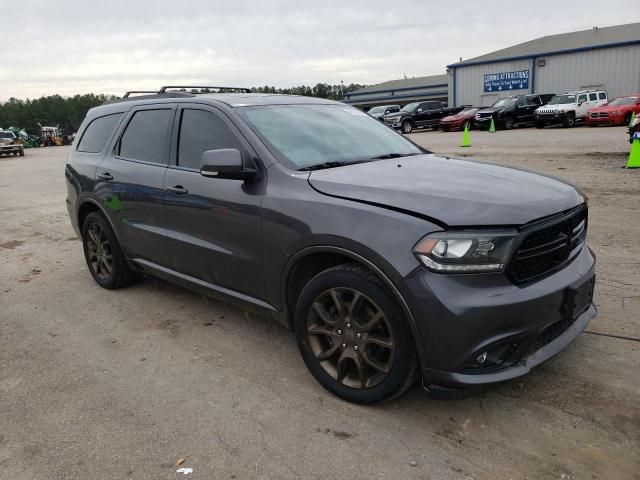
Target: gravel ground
{"type": "Point", "coordinates": [98, 384]}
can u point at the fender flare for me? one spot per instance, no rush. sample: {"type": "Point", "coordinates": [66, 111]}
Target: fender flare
{"type": "Point", "coordinates": [104, 214]}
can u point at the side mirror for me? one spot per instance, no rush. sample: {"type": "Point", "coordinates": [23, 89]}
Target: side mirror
{"type": "Point", "coordinates": [225, 163]}
{"type": "Point", "coordinates": [419, 110]}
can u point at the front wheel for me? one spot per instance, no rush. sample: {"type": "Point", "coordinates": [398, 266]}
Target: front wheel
{"type": "Point", "coordinates": [407, 126]}
{"type": "Point", "coordinates": [508, 123]}
{"type": "Point", "coordinates": [569, 120]}
{"type": "Point", "coordinates": [354, 337]}
{"type": "Point", "coordinates": [104, 256]}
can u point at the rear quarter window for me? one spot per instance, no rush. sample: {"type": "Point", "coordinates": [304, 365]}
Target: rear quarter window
{"type": "Point", "coordinates": [97, 133]}
{"type": "Point", "coordinates": [602, 96]}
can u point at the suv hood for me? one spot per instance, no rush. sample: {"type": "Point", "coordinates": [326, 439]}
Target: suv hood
{"type": "Point", "coordinates": [450, 191]}
{"type": "Point", "coordinates": [555, 106]}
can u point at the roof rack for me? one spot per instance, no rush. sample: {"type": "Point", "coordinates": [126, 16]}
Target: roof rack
{"type": "Point", "coordinates": [192, 87]}
{"type": "Point", "coordinates": [128, 94]}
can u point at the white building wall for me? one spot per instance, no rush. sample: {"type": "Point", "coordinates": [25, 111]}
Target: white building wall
{"type": "Point", "coordinates": [616, 69]}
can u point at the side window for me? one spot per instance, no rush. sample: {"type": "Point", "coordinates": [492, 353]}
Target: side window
{"type": "Point", "coordinates": [593, 97]}
{"type": "Point", "coordinates": [534, 101]}
{"type": "Point", "coordinates": [602, 96]}
{"type": "Point", "coordinates": [97, 133]}
{"type": "Point", "coordinates": [147, 136]}
{"type": "Point", "coordinates": [200, 131]}
{"type": "Point", "coordinates": [582, 98]}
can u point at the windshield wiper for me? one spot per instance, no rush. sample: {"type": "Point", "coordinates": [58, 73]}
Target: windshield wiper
{"type": "Point", "coordinates": [320, 166]}
{"type": "Point", "coordinates": [393, 155]}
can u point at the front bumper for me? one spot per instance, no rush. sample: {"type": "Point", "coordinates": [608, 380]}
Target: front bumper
{"type": "Point", "coordinates": [10, 148]}
{"type": "Point", "coordinates": [550, 118]}
{"type": "Point", "coordinates": [461, 316]}
{"type": "Point", "coordinates": [393, 124]}
{"type": "Point", "coordinates": [483, 123]}
{"type": "Point", "coordinates": [610, 120]}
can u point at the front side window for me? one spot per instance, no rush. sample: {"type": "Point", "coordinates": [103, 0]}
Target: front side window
{"type": "Point", "coordinates": [582, 98]}
{"type": "Point", "coordinates": [147, 136]}
{"type": "Point", "coordinates": [97, 133]}
{"type": "Point", "coordinates": [304, 136]}
{"type": "Point", "coordinates": [200, 131]}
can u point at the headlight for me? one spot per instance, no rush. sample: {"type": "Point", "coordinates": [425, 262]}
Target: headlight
{"type": "Point", "coordinates": [465, 252]}
{"type": "Point", "coordinates": [617, 112]}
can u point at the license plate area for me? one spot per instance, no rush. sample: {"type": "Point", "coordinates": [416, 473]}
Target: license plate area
{"type": "Point", "coordinates": [578, 298]}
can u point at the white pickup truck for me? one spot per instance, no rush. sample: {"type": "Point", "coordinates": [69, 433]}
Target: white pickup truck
{"type": "Point", "coordinates": [569, 108]}
{"type": "Point", "coordinates": [9, 144]}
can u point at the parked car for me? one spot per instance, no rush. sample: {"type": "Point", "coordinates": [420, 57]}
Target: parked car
{"type": "Point", "coordinates": [419, 115]}
{"type": "Point", "coordinates": [381, 110]}
{"type": "Point", "coordinates": [617, 112]}
{"type": "Point", "coordinates": [465, 118]}
{"type": "Point", "coordinates": [512, 111]}
{"type": "Point", "coordinates": [389, 262]}
{"type": "Point", "coordinates": [569, 108]}
{"type": "Point", "coordinates": [9, 144]}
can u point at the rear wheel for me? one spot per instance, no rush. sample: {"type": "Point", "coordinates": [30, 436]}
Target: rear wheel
{"type": "Point", "coordinates": [407, 126]}
{"type": "Point", "coordinates": [21, 152]}
{"type": "Point", "coordinates": [353, 336]}
{"type": "Point", "coordinates": [104, 256]}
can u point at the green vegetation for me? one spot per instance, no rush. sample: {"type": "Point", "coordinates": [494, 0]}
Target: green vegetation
{"type": "Point", "coordinates": [68, 112]}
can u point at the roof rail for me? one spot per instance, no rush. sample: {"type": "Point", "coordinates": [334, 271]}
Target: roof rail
{"type": "Point", "coordinates": [193, 87]}
{"type": "Point", "coordinates": [128, 94]}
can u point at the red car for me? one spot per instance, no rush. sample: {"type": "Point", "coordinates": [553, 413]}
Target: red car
{"type": "Point", "coordinates": [459, 120]}
{"type": "Point", "coordinates": [617, 112]}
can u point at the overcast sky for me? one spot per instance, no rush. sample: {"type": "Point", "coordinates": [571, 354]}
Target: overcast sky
{"type": "Point", "coordinates": [110, 46]}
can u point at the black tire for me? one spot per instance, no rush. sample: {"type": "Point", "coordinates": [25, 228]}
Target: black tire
{"type": "Point", "coordinates": [569, 120]}
{"type": "Point", "coordinates": [509, 123]}
{"type": "Point", "coordinates": [435, 127]}
{"type": "Point", "coordinates": [407, 127]}
{"type": "Point", "coordinates": [539, 124]}
{"type": "Point", "coordinates": [398, 358]}
{"type": "Point", "coordinates": [21, 153]}
{"type": "Point", "coordinates": [119, 274]}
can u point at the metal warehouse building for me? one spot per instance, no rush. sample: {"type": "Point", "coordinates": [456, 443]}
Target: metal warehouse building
{"type": "Point", "coordinates": [607, 58]}
{"type": "Point", "coordinates": [401, 92]}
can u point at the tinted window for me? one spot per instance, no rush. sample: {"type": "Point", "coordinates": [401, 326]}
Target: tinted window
{"type": "Point", "coordinates": [97, 133]}
{"type": "Point", "coordinates": [593, 97]}
{"type": "Point", "coordinates": [602, 96]}
{"type": "Point", "coordinates": [147, 136]}
{"type": "Point", "coordinates": [201, 131]}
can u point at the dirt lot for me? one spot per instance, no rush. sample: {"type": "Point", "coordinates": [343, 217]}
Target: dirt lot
{"type": "Point", "coordinates": [98, 384]}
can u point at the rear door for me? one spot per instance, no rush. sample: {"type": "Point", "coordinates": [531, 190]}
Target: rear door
{"type": "Point", "coordinates": [214, 224]}
{"type": "Point", "coordinates": [130, 181]}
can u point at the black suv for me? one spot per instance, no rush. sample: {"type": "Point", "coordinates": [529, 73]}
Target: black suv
{"type": "Point", "coordinates": [511, 111]}
{"type": "Point", "coordinates": [419, 115]}
{"type": "Point", "coordinates": [388, 262]}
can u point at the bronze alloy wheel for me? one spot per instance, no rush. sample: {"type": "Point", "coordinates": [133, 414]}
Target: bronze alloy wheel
{"type": "Point", "coordinates": [351, 338]}
{"type": "Point", "coordinates": [99, 252]}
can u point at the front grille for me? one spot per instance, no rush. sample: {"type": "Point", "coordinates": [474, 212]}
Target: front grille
{"type": "Point", "coordinates": [599, 115]}
{"type": "Point", "coordinates": [484, 115]}
{"type": "Point", "coordinates": [547, 247]}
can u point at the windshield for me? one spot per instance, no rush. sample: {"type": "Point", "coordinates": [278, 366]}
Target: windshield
{"type": "Point", "coordinates": [562, 99]}
{"type": "Point", "coordinates": [303, 136]}
{"type": "Point", "coordinates": [410, 108]}
{"type": "Point", "coordinates": [505, 102]}
{"type": "Point", "coordinates": [377, 110]}
{"type": "Point", "coordinates": [468, 111]}
{"type": "Point", "coordinates": [623, 101]}
{"type": "Point", "coordinates": [6, 135]}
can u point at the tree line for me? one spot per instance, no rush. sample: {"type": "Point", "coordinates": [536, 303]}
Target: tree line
{"type": "Point", "coordinates": [68, 112]}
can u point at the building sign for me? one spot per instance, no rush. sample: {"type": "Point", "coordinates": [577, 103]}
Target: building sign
{"type": "Point", "coordinates": [497, 82]}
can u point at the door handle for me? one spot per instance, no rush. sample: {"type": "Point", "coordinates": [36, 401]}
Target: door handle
{"type": "Point", "coordinates": [106, 176]}
{"type": "Point", "coordinates": [178, 189]}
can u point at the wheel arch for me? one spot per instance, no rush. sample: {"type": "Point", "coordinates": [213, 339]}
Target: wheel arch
{"type": "Point", "coordinates": [89, 205]}
{"type": "Point", "coordinates": [310, 261]}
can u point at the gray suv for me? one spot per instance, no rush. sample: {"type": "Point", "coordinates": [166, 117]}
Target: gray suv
{"type": "Point", "coordinates": [390, 263]}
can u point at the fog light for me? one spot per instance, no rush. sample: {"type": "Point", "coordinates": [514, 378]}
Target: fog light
{"type": "Point", "coordinates": [481, 358]}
